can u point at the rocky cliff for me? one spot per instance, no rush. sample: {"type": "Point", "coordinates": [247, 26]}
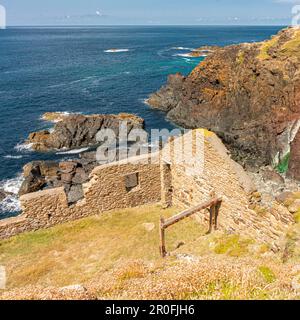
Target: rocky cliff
{"type": "Point", "coordinates": [249, 94]}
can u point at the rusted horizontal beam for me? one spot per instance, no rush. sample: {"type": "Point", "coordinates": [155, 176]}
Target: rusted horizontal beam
{"type": "Point", "coordinates": [185, 214]}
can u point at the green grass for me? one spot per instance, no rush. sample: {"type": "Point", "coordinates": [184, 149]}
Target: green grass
{"type": "Point", "coordinates": [264, 50]}
{"type": "Point", "coordinates": [292, 47]}
{"type": "Point", "coordinates": [287, 49]}
{"type": "Point", "coordinates": [232, 245]}
{"type": "Point", "coordinates": [267, 274]}
{"type": "Point", "coordinates": [283, 166]}
{"type": "Point", "coordinates": [241, 57]}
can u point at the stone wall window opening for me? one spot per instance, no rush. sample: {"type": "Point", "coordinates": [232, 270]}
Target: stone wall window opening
{"type": "Point", "coordinates": [132, 181]}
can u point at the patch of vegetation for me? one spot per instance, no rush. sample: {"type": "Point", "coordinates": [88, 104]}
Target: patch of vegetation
{"type": "Point", "coordinates": [264, 248]}
{"type": "Point", "coordinates": [292, 47]}
{"type": "Point", "coordinates": [297, 216]}
{"type": "Point", "coordinates": [267, 274]}
{"type": "Point", "coordinates": [283, 166]}
{"type": "Point", "coordinates": [266, 46]}
{"type": "Point", "coordinates": [290, 246]}
{"type": "Point", "coordinates": [225, 290]}
{"type": "Point", "coordinates": [232, 245]}
{"type": "Point", "coordinates": [241, 57]}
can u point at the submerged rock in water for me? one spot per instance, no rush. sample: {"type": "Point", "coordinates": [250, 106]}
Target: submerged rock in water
{"type": "Point", "coordinates": [77, 131]}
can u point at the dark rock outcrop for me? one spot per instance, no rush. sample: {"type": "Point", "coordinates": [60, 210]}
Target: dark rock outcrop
{"type": "Point", "coordinates": [33, 179]}
{"type": "Point", "coordinates": [70, 131]}
{"type": "Point", "coordinates": [248, 94]}
{"type": "Point", "coordinates": [39, 175]}
{"type": "Point", "coordinates": [45, 168]}
{"type": "Point", "coordinates": [77, 131]}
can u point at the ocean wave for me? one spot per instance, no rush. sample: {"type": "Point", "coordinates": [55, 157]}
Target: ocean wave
{"type": "Point", "coordinates": [71, 82]}
{"type": "Point", "coordinates": [12, 185]}
{"type": "Point", "coordinates": [10, 204]}
{"type": "Point", "coordinates": [23, 147]}
{"type": "Point", "coordinates": [145, 101]}
{"type": "Point", "coordinates": [83, 79]}
{"type": "Point", "coordinates": [185, 55]}
{"type": "Point", "coordinates": [76, 151]}
{"type": "Point", "coordinates": [182, 48]}
{"type": "Point", "coordinates": [9, 156]}
{"type": "Point", "coordinates": [116, 50]}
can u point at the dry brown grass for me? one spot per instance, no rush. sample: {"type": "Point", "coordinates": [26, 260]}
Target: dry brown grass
{"type": "Point", "coordinates": [211, 277]}
{"type": "Point", "coordinates": [115, 257]}
{"type": "Point", "coordinates": [75, 252]}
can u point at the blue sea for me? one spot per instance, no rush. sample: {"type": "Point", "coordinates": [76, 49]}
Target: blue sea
{"type": "Point", "coordinates": [71, 69]}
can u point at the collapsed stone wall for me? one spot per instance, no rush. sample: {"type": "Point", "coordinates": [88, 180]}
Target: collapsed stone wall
{"type": "Point", "coordinates": [193, 183]}
{"type": "Point", "coordinates": [114, 186]}
{"type": "Point", "coordinates": [180, 183]}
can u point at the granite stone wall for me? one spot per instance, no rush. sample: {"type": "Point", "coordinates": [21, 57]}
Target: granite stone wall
{"type": "Point", "coordinates": [113, 186]}
{"type": "Point", "coordinates": [193, 183]}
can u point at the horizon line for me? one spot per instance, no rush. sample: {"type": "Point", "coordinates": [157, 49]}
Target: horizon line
{"type": "Point", "coordinates": [147, 25]}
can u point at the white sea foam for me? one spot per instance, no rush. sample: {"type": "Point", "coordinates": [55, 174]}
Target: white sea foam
{"type": "Point", "coordinates": [185, 55]}
{"type": "Point", "coordinates": [189, 55]}
{"type": "Point", "coordinates": [10, 204]}
{"type": "Point", "coordinates": [83, 79]}
{"type": "Point", "coordinates": [12, 185]}
{"type": "Point", "coordinates": [182, 48]}
{"type": "Point", "coordinates": [9, 156]}
{"type": "Point", "coordinates": [76, 151]}
{"type": "Point", "coordinates": [145, 101]}
{"type": "Point", "coordinates": [23, 147]}
{"type": "Point", "coordinates": [116, 50]}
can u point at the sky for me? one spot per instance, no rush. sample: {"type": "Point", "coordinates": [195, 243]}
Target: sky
{"type": "Point", "coordinates": [149, 12]}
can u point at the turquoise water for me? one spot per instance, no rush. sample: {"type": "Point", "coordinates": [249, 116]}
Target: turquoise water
{"type": "Point", "coordinates": [67, 69]}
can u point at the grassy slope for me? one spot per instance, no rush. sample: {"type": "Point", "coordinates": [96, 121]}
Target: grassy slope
{"type": "Point", "coordinates": [289, 48]}
{"type": "Point", "coordinates": [75, 252]}
{"type": "Point", "coordinates": [115, 255]}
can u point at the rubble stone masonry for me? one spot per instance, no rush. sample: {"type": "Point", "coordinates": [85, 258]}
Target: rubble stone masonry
{"type": "Point", "coordinates": [183, 184]}
{"type": "Point", "coordinates": [106, 190]}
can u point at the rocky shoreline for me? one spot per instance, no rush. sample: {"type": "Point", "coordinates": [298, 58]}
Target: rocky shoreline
{"type": "Point", "coordinates": [249, 94]}
{"type": "Point", "coordinates": [71, 131]}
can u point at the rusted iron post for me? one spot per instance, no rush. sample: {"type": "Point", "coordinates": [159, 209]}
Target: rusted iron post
{"type": "Point", "coordinates": [162, 247]}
